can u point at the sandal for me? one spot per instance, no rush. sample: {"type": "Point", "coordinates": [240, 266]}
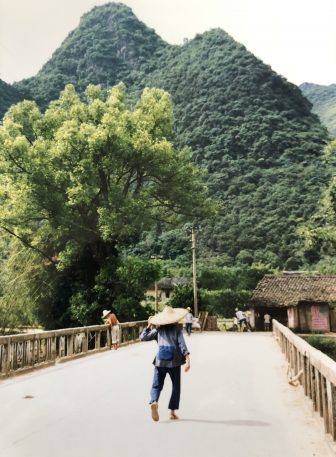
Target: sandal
{"type": "Point", "coordinates": [155, 411]}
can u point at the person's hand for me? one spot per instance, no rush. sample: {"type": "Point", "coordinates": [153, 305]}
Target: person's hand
{"type": "Point", "coordinates": [149, 325]}
{"type": "Point", "coordinates": [187, 365]}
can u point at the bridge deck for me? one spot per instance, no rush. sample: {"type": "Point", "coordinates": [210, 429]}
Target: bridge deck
{"type": "Point", "coordinates": [235, 402]}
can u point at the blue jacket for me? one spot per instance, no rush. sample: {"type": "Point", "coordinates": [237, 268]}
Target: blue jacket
{"type": "Point", "coordinates": [172, 347]}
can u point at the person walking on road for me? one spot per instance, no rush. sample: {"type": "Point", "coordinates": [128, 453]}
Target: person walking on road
{"type": "Point", "coordinates": [189, 321]}
{"type": "Point", "coordinates": [111, 319]}
{"type": "Point", "coordinates": [172, 354]}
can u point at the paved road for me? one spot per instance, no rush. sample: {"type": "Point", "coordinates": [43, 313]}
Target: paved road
{"type": "Point", "coordinates": [235, 403]}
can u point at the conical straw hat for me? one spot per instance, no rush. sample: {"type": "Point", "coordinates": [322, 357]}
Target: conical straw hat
{"type": "Point", "coordinates": [168, 316]}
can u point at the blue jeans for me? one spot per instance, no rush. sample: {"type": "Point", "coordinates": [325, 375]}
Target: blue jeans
{"type": "Point", "coordinates": [158, 381]}
{"type": "Point", "coordinates": [188, 327]}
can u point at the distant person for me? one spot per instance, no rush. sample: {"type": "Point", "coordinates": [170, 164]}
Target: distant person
{"type": "Point", "coordinates": [258, 323]}
{"type": "Point", "coordinates": [189, 321]}
{"type": "Point", "coordinates": [241, 318]}
{"type": "Point", "coordinates": [267, 322]}
{"type": "Point", "coordinates": [248, 319]}
{"type": "Point", "coordinates": [111, 319]}
{"type": "Point", "coordinates": [172, 353]}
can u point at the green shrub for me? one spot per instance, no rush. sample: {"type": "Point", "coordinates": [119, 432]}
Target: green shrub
{"type": "Point", "coordinates": [222, 302]}
{"type": "Point", "coordinates": [323, 344]}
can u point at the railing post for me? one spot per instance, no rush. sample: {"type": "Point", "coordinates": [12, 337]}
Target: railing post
{"type": "Point", "coordinates": [305, 374]}
{"type": "Point", "coordinates": [38, 349]}
{"type": "Point", "coordinates": [97, 340]}
{"type": "Point", "coordinates": [108, 337]}
{"type": "Point", "coordinates": [325, 404]}
{"type": "Point", "coordinates": [313, 387]}
{"type": "Point", "coordinates": [331, 409]}
{"type": "Point", "coordinates": [86, 341]}
{"type": "Point", "coordinates": [318, 392]}
{"type": "Point", "coordinates": [8, 356]}
{"type": "Point", "coordinates": [53, 348]}
{"type": "Point", "coordinates": [70, 345]}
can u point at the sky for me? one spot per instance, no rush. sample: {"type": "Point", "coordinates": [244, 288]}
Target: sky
{"type": "Point", "coordinates": [297, 38]}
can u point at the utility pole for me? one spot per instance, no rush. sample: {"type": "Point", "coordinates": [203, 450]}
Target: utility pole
{"type": "Point", "coordinates": [156, 257]}
{"type": "Point", "coordinates": [156, 297]}
{"type": "Point", "coordinates": [193, 248]}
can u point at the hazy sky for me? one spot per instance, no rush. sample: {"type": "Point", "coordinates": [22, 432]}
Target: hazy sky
{"type": "Point", "coordinates": [296, 37]}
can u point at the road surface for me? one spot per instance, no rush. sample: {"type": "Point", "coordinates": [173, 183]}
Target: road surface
{"type": "Point", "coordinates": [235, 402]}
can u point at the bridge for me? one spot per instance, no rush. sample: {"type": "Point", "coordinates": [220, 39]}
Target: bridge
{"type": "Point", "coordinates": [236, 400]}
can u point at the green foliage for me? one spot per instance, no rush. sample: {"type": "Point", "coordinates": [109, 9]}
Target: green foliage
{"type": "Point", "coordinates": [323, 99]}
{"type": "Point", "coordinates": [8, 96]}
{"type": "Point", "coordinates": [323, 344]}
{"type": "Point", "coordinates": [235, 278]}
{"type": "Point", "coordinates": [182, 297]}
{"type": "Point", "coordinates": [134, 276]}
{"type": "Point", "coordinates": [217, 302]}
{"type": "Point", "coordinates": [81, 182]}
{"type": "Point", "coordinates": [220, 290]}
{"type": "Point", "coordinates": [18, 291]}
{"type": "Point", "coordinates": [224, 289]}
{"type": "Point", "coordinates": [326, 266]}
{"type": "Point", "coordinates": [320, 232]}
{"type": "Point", "coordinates": [123, 286]}
{"type": "Point", "coordinates": [223, 302]}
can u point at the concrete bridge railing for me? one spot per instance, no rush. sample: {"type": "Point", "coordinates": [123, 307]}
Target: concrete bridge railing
{"type": "Point", "coordinates": [315, 371]}
{"type": "Point", "coordinates": [24, 352]}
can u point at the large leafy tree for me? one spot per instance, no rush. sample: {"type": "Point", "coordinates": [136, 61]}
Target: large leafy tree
{"type": "Point", "coordinates": [82, 181]}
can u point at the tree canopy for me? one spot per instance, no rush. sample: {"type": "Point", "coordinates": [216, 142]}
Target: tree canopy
{"type": "Point", "coordinates": [8, 96]}
{"type": "Point", "coordinates": [82, 181]}
{"type": "Point", "coordinates": [323, 99]}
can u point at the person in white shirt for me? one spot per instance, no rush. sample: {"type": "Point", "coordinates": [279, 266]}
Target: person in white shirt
{"type": "Point", "coordinates": [241, 318]}
{"type": "Point", "coordinates": [267, 322]}
{"type": "Point", "coordinates": [189, 320]}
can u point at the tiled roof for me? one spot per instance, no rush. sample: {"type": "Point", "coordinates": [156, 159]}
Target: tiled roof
{"type": "Point", "coordinates": [291, 288]}
{"type": "Point", "coordinates": [170, 283]}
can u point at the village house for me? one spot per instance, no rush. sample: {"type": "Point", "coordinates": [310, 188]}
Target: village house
{"type": "Point", "coordinates": [165, 287]}
{"type": "Point", "coordinates": [303, 302]}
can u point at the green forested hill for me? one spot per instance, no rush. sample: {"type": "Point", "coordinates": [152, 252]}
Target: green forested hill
{"type": "Point", "coordinates": [8, 96]}
{"type": "Point", "coordinates": [252, 130]}
{"type": "Point", "coordinates": [255, 134]}
{"type": "Point", "coordinates": [109, 45]}
{"type": "Point", "coordinates": [323, 99]}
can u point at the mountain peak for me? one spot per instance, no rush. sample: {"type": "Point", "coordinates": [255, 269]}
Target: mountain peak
{"type": "Point", "coordinates": [108, 46]}
{"type": "Point", "coordinates": [108, 11]}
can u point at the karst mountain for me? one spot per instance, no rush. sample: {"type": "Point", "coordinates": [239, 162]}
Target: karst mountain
{"type": "Point", "coordinates": [253, 131]}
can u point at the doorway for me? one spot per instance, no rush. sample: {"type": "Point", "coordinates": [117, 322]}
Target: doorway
{"type": "Point", "coordinates": [280, 314]}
